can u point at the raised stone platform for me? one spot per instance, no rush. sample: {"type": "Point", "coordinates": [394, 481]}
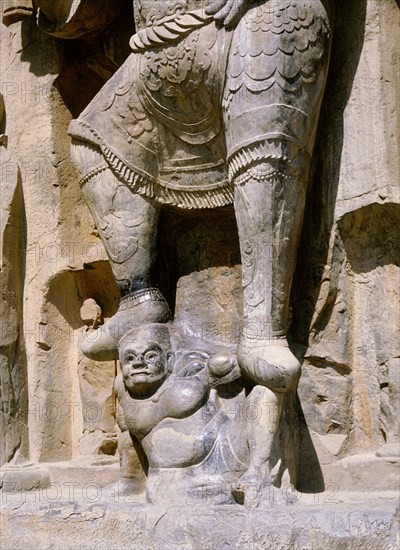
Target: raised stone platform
{"type": "Point", "coordinates": [84, 517]}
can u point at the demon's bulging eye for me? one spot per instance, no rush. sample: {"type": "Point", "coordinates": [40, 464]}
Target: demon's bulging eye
{"type": "Point", "coordinates": [151, 356]}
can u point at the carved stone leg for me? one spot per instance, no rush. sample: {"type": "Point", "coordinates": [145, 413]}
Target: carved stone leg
{"type": "Point", "coordinates": [127, 224]}
{"type": "Point", "coordinates": [269, 204]}
{"type": "Point", "coordinates": [132, 470]}
{"type": "Point", "coordinates": [261, 414]}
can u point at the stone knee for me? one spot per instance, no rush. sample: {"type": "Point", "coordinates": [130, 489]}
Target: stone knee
{"type": "Point", "coordinates": [87, 160]}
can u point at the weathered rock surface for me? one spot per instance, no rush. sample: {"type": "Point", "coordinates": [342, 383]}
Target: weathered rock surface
{"type": "Point", "coordinates": [56, 520]}
{"type": "Point", "coordinates": [346, 293]}
{"type": "Point", "coordinates": [13, 375]}
{"type": "Point", "coordinates": [54, 265]}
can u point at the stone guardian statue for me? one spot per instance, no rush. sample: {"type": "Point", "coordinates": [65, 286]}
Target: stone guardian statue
{"type": "Point", "coordinates": [213, 106]}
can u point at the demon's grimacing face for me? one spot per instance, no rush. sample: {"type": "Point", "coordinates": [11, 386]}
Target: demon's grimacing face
{"type": "Point", "coordinates": [143, 364]}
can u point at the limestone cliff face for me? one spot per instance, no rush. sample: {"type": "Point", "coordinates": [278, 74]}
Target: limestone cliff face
{"type": "Point", "coordinates": [13, 376]}
{"type": "Point", "coordinates": [52, 257]}
{"type": "Point", "coordinates": [345, 293]}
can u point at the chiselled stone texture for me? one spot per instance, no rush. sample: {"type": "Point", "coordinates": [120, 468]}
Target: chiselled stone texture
{"type": "Point", "coordinates": [13, 376]}
{"type": "Point", "coordinates": [52, 259]}
{"type": "Point", "coordinates": [350, 524]}
{"type": "Point", "coordinates": [346, 290]}
{"type": "Point", "coordinates": [16, 10]}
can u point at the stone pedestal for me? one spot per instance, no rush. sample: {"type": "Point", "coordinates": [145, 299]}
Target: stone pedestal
{"type": "Point", "coordinates": [53, 519]}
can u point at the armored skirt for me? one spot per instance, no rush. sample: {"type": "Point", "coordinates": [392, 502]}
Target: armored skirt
{"type": "Point", "coordinates": [195, 105]}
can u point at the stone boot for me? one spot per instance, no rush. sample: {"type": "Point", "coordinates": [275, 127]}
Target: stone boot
{"type": "Point", "coordinates": [268, 362]}
{"type": "Point", "coordinates": [143, 306]}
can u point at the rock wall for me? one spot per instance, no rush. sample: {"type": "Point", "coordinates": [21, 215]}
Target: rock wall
{"type": "Point", "coordinates": [56, 257]}
{"type": "Point", "coordinates": [347, 290]}
{"type": "Point", "coordinates": [13, 376]}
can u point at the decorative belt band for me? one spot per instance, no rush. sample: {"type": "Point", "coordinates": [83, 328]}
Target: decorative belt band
{"type": "Point", "coordinates": [168, 30]}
